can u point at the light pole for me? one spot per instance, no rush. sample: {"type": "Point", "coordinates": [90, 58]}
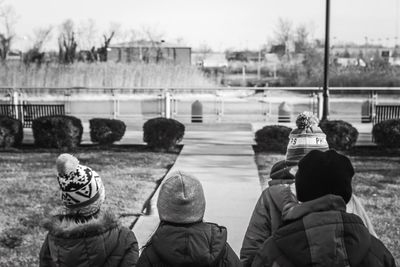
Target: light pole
{"type": "Point", "coordinates": [325, 108]}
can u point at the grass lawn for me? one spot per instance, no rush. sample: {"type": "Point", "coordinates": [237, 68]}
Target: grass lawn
{"type": "Point", "coordinates": [29, 192]}
{"type": "Point", "coordinates": [376, 183]}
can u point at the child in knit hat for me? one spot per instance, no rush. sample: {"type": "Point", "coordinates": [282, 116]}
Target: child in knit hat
{"type": "Point", "coordinates": [267, 214]}
{"type": "Point", "coordinates": [319, 231]}
{"type": "Point", "coordinates": [183, 238]}
{"type": "Point", "coordinates": [85, 234]}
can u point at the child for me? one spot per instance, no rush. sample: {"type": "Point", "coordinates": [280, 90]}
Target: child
{"type": "Point", "coordinates": [266, 218]}
{"type": "Point", "coordinates": [182, 238]}
{"type": "Point", "coordinates": [85, 234]}
{"type": "Point", "coordinates": [267, 214]}
{"type": "Point", "coordinates": [319, 231]}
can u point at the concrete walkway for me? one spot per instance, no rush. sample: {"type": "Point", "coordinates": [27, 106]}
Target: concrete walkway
{"type": "Point", "coordinates": [224, 163]}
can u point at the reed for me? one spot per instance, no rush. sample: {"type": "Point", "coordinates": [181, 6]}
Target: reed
{"type": "Point", "coordinates": [102, 75]}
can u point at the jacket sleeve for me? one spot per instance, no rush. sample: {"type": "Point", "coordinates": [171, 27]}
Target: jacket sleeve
{"type": "Point", "coordinates": [258, 231]}
{"type": "Point", "coordinates": [143, 259]}
{"type": "Point", "coordinates": [131, 255]}
{"type": "Point", "coordinates": [44, 255]}
{"type": "Point", "coordinates": [230, 259]}
{"type": "Point", "coordinates": [379, 255]}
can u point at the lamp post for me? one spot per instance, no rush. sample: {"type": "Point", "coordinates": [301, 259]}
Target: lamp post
{"type": "Point", "coordinates": [325, 108]}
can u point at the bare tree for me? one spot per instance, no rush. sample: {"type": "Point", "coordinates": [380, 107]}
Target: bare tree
{"type": "Point", "coordinates": [8, 19]}
{"type": "Point", "coordinates": [284, 31]}
{"type": "Point", "coordinates": [102, 51]}
{"type": "Point", "coordinates": [156, 39]}
{"type": "Point", "coordinates": [67, 43]}
{"type": "Point", "coordinates": [40, 37]}
{"type": "Point", "coordinates": [302, 35]}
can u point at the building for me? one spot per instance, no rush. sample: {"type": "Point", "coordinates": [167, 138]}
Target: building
{"type": "Point", "coordinates": [147, 51]}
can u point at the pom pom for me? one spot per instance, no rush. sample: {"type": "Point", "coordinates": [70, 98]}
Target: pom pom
{"type": "Point", "coordinates": [306, 120]}
{"type": "Point", "coordinates": [66, 164]}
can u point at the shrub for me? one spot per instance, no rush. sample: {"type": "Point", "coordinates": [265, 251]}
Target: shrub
{"type": "Point", "coordinates": [340, 135]}
{"type": "Point", "coordinates": [11, 132]}
{"type": "Point", "coordinates": [58, 131]}
{"type": "Point", "coordinates": [274, 138]}
{"type": "Point", "coordinates": [106, 131]}
{"type": "Point", "coordinates": [387, 133]}
{"type": "Point", "coordinates": [163, 134]}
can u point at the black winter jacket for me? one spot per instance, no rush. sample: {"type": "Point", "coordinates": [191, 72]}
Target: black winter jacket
{"type": "Point", "coordinates": [199, 244]}
{"type": "Point", "coordinates": [98, 242]}
{"type": "Point", "coordinates": [321, 233]}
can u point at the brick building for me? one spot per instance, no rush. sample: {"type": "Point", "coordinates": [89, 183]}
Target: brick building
{"type": "Point", "coordinates": [146, 51]}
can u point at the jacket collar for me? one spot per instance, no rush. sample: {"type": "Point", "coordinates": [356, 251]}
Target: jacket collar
{"type": "Point", "coordinates": [325, 203]}
{"type": "Point", "coordinates": [280, 181]}
{"type": "Point", "coordinates": [64, 227]}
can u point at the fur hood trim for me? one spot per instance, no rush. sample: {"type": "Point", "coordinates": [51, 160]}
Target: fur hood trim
{"type": "Point", "coordinates": [62, 227]}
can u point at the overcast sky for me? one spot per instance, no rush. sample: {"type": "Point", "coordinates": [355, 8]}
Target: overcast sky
{"type": "Point", "coordinates": [219, 23]}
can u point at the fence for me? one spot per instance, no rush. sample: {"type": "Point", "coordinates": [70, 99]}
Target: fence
{"type": "Point", "coordinates": [223, 104]}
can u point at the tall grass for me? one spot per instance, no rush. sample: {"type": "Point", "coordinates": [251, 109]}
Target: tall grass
{"type": "Point", "coordinates": [102, 75]}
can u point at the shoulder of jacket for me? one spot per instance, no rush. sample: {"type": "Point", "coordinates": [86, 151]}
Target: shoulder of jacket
{"type": "Point", "coordinates": [379, 251]}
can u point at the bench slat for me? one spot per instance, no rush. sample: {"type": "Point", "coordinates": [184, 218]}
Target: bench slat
{"type": "Point", "coordinates": [386, 112]}
{"type": "Point", "coordinates": [27, 112]}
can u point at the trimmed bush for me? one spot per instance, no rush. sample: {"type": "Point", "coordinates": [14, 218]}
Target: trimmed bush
{"type": "Point", "coordinates": [387, 133]}
{"type": "Point", "coordinates": [340, 135]}
{"type": "Point", "coordinates": [11, 132]}
{"type": "Point", "coordinates": [106, 131]}
{"type": "Point", "coordinates": [163, 134]}
{"type": "Point", "coordinates": [58, 131]}
{"type": "Point", "coordinates": [273, 138]}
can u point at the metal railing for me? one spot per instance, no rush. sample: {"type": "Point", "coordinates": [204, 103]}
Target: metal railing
{"type": "Point", "coordinates": [220, 104]}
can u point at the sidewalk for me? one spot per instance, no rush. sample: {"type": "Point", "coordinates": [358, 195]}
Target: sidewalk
{"type": "Point", "coordinates": [224, 163]}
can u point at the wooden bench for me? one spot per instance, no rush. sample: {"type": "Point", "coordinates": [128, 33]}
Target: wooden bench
{"type": "Point", "coordinates": [386, 112]}
{"type": "Point", "coordinates": [27, 112]}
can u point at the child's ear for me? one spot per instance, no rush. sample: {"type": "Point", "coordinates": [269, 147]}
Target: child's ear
{"type": "Point", "coordinates": [293, 170]}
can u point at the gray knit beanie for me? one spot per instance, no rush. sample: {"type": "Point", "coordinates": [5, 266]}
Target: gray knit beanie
{"type": "Point", "coordinates": [181, 199]}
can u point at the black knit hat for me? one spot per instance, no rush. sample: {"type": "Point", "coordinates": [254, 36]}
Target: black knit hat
{"type": "Point", "coordinates": [322, 173]}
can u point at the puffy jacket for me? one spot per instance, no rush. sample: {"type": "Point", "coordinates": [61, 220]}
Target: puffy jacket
{"type": "Point", "coordinates": [199, 244]}
{"type": "Point", "coordinates": [267, 217]}
{"type": "Point", "coordinates": [97, 242]}
{"type": "Point", "coordinates": [321, 233]}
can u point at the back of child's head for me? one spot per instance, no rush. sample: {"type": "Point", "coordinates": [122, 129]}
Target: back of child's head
{"type": "Point", "coordinates": [281, 171]}
{"type": "Point", "coordinates": [305, 137]}
{"type": "Point", "coordinates": [181, 199]}
{"type": "Point", "coordinates": [322, 173]}
{"type": "Point", "coordinates": [82, 191]}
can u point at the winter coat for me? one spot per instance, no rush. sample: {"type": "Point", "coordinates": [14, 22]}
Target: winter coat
{"type": "Point", "coordinates": [98, 242]}
{"type": "Point", "coordinates": [321, 233]}
{"type": "Point", "coordinates": [179, 245]}
{"type": "Point", "coordinates": [267, 217]}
